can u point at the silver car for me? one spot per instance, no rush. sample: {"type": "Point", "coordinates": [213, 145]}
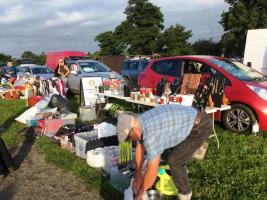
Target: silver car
{"type": "Point", "coordinates": [87, 68]}
{"type": "Point", "coordinates": [43, 72]}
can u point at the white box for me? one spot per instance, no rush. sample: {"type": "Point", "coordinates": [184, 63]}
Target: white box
{"type": "Point", "coordinates": [87, 113]}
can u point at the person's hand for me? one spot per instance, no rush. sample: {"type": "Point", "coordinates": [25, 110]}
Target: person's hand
{"type": "Point", "coordinates": [137, 183]}
{"type": "Point", "coordinates": [139, 196]}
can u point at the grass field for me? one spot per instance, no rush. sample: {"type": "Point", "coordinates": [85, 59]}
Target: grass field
{"type": "Point", "coordinates": [238, 170]}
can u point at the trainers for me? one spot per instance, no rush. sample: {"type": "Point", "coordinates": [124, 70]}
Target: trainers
{"type": "Point", "coordinates": [185, 196]}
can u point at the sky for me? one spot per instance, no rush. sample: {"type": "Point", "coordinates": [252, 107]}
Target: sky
{"type": "Point", "coordinates": [56, 25]}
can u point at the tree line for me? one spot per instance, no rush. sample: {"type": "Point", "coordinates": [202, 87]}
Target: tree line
{"type": "Point", "coordinates": [36, 58]}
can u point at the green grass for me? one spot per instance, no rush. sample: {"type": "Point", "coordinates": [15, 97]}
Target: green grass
{"type": "Point", "coordinates": [9, 110]}
{"type": "Point", "coordinates": [238, 170]}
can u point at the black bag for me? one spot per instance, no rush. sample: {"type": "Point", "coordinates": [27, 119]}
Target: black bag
{"type": "Point", "coordinates": [60, 102]}
{"type": "Point", "coordinates": [217, 91]}
{"type": "Point", "coordinates": [161, 86]}
{"type": "Point", "coordinates": [130, 88]}
{"type": "Point", "coordinates": [66, 130]}
{"type": "Point", "coordinates": [176, 85]}
{"type": "Point", "coordinates": [202, 94]}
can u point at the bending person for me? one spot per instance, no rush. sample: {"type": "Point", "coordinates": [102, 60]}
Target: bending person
{"type": "Point", "coordinates": [180, 130]}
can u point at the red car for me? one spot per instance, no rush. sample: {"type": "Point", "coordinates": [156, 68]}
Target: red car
{"type": "Point", "coordinates": [245, 88]}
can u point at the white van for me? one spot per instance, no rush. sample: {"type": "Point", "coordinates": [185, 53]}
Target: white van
{"type": "Point", "coordinates": [256, 50]}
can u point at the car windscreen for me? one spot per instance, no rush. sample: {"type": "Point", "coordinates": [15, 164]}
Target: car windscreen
{"type": "Point", "coordinates": [239, 70]}
{"type": "Point", "coordinates": [90, 67]}
{"type": "Point", "coordinates": [41, 70]}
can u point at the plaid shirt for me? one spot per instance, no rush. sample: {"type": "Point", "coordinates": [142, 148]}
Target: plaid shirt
{"type": "Point", "coordinates": [166, 126]}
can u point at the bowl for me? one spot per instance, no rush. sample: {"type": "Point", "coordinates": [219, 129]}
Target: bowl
{"type": "Point", "coordinates": [154, 195]}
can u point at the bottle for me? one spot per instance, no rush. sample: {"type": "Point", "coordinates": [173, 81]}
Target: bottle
{"type": "Point", "coordinates": [211, 103]}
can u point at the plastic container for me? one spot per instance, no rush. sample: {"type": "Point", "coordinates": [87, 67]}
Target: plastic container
{"type": "Point", "coordinates": [118, 180]}
{"type": "Point", "coordinates": [111, 158]}
{"type": "Point", "coordinates": [165, 185]}
{"type": "Point", "coordinates": [81, 140]}
{"type": "Point", "coordinates": [87, 114]}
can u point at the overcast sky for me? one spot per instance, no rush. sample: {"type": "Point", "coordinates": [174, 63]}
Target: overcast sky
{"type": "Point", "coordinates": [52, 25]}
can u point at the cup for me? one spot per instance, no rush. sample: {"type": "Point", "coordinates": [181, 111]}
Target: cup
{"type": "Point", "coordinates": [162, 100]}
{"type": "Point", "coordinates": [179, 99]}
{"type": "Point", "coordinates": [171, 98]}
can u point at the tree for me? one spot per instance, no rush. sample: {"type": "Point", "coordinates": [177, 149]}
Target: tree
{"type": "Point", "coordinates": [4, 58]}
{"type": "Point", "coordinates": [174, 41]}
{"type": "Point", "coordinates": [109, 44]}
{"type": "Point", "coordinates": [142, 26]}
{"type": "Point", "coordinates": [207, 47]}
{"type": "Point", "coordinates": [38, 59]}
{"type": "Point", "coordinates": [29, 55]}
{"type": "Point", "coordinates": [242, 16]}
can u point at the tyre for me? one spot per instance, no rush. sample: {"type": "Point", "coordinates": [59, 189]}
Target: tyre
{"type": "Point", "coordinates": [239, 118]}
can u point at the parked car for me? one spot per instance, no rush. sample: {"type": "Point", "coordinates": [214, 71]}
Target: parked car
{"type": "Point", "coordinates": [87, 68]}
{"type": "Point", "coordinates": [35, 70]}
{"type": "Point", "coordinates": [245, 88]}
{"type": "Point", "coordinates": [53, 57]}
{"type": "Point", "coordinates": [24, 62]}
{"type": "Point", "coordinates": [132, 68]}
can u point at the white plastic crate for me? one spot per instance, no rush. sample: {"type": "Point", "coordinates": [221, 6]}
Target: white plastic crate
{"type": "Point", "coordinates": [81, 140]}
{"type": "Point", "coordinates": [111, 158]}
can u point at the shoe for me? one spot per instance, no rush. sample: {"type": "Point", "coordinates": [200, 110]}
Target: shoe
{"type": "Point", "coordinates": [200, 152]}
{"type": "Point", "coordinates": [185, 196]}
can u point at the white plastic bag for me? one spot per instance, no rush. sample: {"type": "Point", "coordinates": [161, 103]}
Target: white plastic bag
{"type": "Point", "coordinates": [105, 130]}
{"type": "Point", "coordinates": [128, 193]}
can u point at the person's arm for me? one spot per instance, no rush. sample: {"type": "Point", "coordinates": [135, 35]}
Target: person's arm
{"type": "Point", "coordinates": [149, 177]}
{"type": "Point", "coordinates": [139, 159]}
{"type": "Point", "coordinates": [67, 71]}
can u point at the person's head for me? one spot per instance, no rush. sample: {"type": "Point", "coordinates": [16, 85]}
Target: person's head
{"type": "Point", "coordinates": [74, 67]}
{"type": "Point", "coordinates": [9, 64]}
{"type": "Point", "coordinates": [128, 128]}
{"type": "Point", "coordinates": [61, 62]}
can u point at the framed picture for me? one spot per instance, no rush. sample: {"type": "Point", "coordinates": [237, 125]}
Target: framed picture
{"type": "Point", "coordinates": [89, 87]}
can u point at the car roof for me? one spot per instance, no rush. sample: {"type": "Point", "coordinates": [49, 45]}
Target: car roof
{"type": "Point", "coordinates": [84, 60]}
{"type": "Point", "coordinates": [35, 66]}
{"type": "Point", "coordinates": [134, 60]}
{"type": "Point", "coordinates": [198, 57]}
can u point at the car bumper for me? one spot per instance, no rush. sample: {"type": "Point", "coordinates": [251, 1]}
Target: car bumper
{"type": "Point", "coordinates": [262, 118]}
